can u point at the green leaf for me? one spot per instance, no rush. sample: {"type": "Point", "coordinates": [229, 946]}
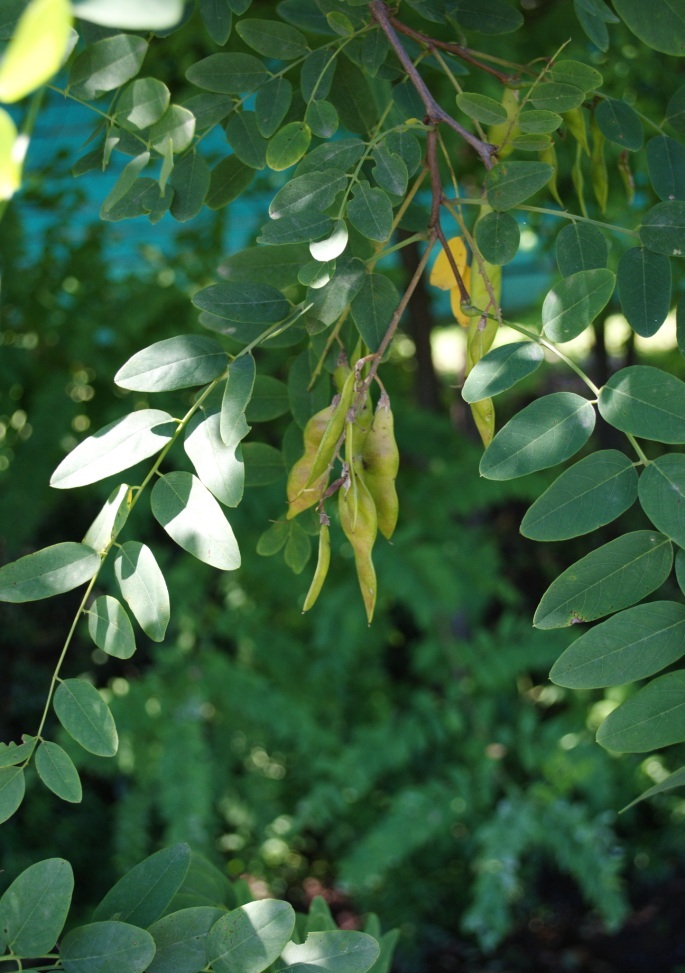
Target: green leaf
{"type": "Point", "coordinates": [316, 74]}
{"type": "Point", "coordinates": [644, 289]}
{"type": "Point", "coordinates": [36, 49]}
{"type": "Point", "coordinates": [545, 433]}
{"type": "Point", "coordinates": [269, 400]}
{"type": "Point", "coordinates": [296, 229]}
{"type": "Point", "coordinates": [631, 645]}
{"type": "Point", "coordinates": [539, 122]}
{"type": "Point", "coordinates": [646, 402]}
{"type": "Point", "coordinates": [243, 303]}
{"type": "Point", "coordinates": [181, 940]}
{"type": "Point", "coordinates": [613, 577]}
{"type": "Point", "coordinates": [86, 717]}
{"type": "Point", "coordinates": [245, 139]}
{"type": "Point", "coordinates": [272, 104]}
{"type": "Point", "coordinates": [370, 212]}
{"type": "Point", "coordinates": [251, 937]}
{"type": "Point", "coordinates": [10, 164]}
{"type": "Point", "coordinates": [142, 895]}
{"type": "Point", "coordinates": [581, 246]}
{"type": "Point", "coordinates": [175, 363]}
{"type": "Point", "coordinates": [142, 103]}
{"type": "Point", "coordinates": [373, 307]}
{"type": "Point", "coordinates": [209, 109]}
{"type": "Point", "coordinates": [192, 517]}
{"type": "Point", "coordinates": [218, 465]}
{"type": "Point", "coordinates": [107, 947]}
{"type": "Point", "coordinates": [306, 398]}
{"type": "Point", "coordinates": [218, 19]}
{"type": "Point", "coordinates": [663, 228]}
{"type": "Point", "coordinates": [190, 181]}
{"type": "Point", "coordinates": [106, 65]}
{"type": "Point", "coordinates": [143, 588]}
{"type": "Point", "coordinates": [229, 179]}
{"type": "Point", "coordinates": [500, 369]}
{"type": "Point", "coordinates": [498, 237]}
{"type": "Point", "coordinates": [57, 771]}
{"type": "Point", "coordinates": [666, 166]}
{"type": "Point", "coordinates": [482, 108]}
{"type": "Point", "coordinates": [273, 539]}
{"type": "Point", "coordinates": [593, 492]}
{"type": "Point", "coordinates": [556, 97]}
{"type": "Point", "coordinates": [654, 717]}
{"type": "Point", "coordinates": [322, 119]}
{"type": "Point", "coordinates": [335, 952]}
{"type": "Point", "coordinates": [341, 154]}
{"type": "Point", "coordinates": [263, 464]}
{"type": "Point", "coordinates": [126, 179]}
{"type": "Point", "coordinates": [660, 25]}
{"type": "Point", "coordinates": [329, 301]}
{"type": "Point", "coordinates": [228, 74]}
{"type": "Point", "coordinates": [176, 126]}
{"type": "Point", "coordinates": [576, 73]}
{"type": "Point", "coordinates": [114, 448]}
{"type": "Point", "coordinates": [204, 885]}
{"type": "Point", "coordinates": [12, 789]}
{"type": "Point", "coordinates": [138, 200]}
{"type": "Point", "coordinates": [619, 123]}
{"type": "Point", "coordinates": [110, 628]}
{"type": "Point", "coordinates": [34, 908]}
{"type": "Point", "coordinates": [273, 38]}
{"type": "Point", "coordinates": [675, 110]}
{"type": "Point", "coordinates": [593, 25]}
{"type": "Point", "coordinates": [48, 572]}
{"type": "Point", "coordinates": [662, 491]}
{"type": "Point", "coordinates": [313, 191]}
{"type": "Point", "coordinates": [680, 324]}
{"type": "Point", "coordinates": [237, 394]}
{"type": "Point", "coordinates": [510, 183]}
{"type": "Point", "coordinates": [573, 304]}
{"type": "Point", "coordinates": [353, 98]}
{"type": "Point", "coordinates": [335, 244]}
{"type": "Point", "coordinates": [487, 16]}
{"type": "Point", "coordinates": [131, 14]}
{"type": "Point", "coordinates": [288, 146]}
{"type": "Point", "coordinates": [390, 171]}
{"type": "Point", "coordinates": [13, 754]}
{"type": "Point", "coordinates": [262, 265]}
{"type": "Point", "coordinates": [676, 779]}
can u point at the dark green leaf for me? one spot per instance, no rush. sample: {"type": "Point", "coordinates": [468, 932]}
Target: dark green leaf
{"type": "Point", "coordinates": [660, 24]}
{"type": "Point", "coordinates": [353, 98]}
{"type": "Point", "coordinates": [390, 171]}
{"type": "Point", "coordinates": [243, 303]}
{"type": "Point", "coordinates": [298, 548]}
{"type": "Point", "coordinates": [204, 885]}
{"type": "Point", "coordinates": [143, 587]}
{"type": "Point", "coordinates": [676, 779]}
{"type": "Point", "coordinates": [545, 433]}
{"type": "Point", "coordinates": [273, 539]}
{"type": "Point", "coordinates": [177, 126]}
{"type": "Point", "coordinates": [48, 572]}
{"type": "Point", "coordinates": [86, 717]}
{"type": "Point", "coordinates": [142, 895]}
{"type": "Point", "coordinates": [341, 154]}
{"type": "Point", "coordinates": [12, 789]}
{"type": "Point", "coordinates": [296, 229]}
{"type": "Point", "coordinates": [619, 123]}
{"type": "Point", "coordinates": [662, 495]}
{"type": "Point", "coordinates": [576, 73]}
{"type": "Point", "coordinates": [322, 119]}
{"type": "Point", "coordinates": [218, 19]}
{"type": "Point", "coordinates": [484, 109]}
{"type": "Point", "coordinates": [228, 74]}
{"type": "Point", "coordinates": [680, 324]}
{"type": "Point", "coordinates": [107, 947]}
{"type": "Point", "coordinates": [216, 463]}
{"type": "Point", "coordinates": [487, 16]}
{"type": "Point", "coordinates": [269, 400]}
{"type": "Point", "coordinates": [370, 212]}
{"type": "Point", "coordinates": [229, 179]}
{"type": "Point", "coordinates": [663, 228]}
{"type": "Point", "coordinates": [192, 517]}
{"type": "Point", "coordinates": [237, 394]}
{"type": "Point", "coordinates": [277, 266]}
{"type": "Point", "coordinates": [329, 302]}
{"type": "Point", "coordinates": [631, 645]}
{"type": "Point", "coordinates": [654, 717]}
{"type": "Point", "coordinates": [581, 246]}
{"type": "Point", "coordinates": [644, 289]}
{"type": "Point", "coordinates": [573, 304]}
{"type": "Point", "coordinates": [316, 74]}
{"type": "Point", "coordinates": [57, 771]}
{"type": "Point", "coordinates": [209, 109]}
{"type": "Point", "coordinates": [288, 146]}
{"type": "Point", "coordinates": [675, 110]}
{"type": "Point", "coordinates": [110, 628]}
{"type": "Point", "coordinates": [106, 65]}
{"type": "Point", "coordinates": [142, 103]}
{"type": "Point", "coordinates": [312, 192]}
{"type": "Point", "coordinates": [251, 937]}
{"type": "Point", "coordinates": [34, 908]}
{"type": "Point", "coordinates": [273, 39]}
{"type": "Point", "coordinates": [373, 307]}
{"type": "Point", "coordinates": [175, 363]}
{"type": "Point", "coordinates": [304, 400]}
{"type": "Point", "coordinates": [245, 139]}
{"type": "Point", "coordinates": [498, 237]}
{"type": "Point", "coordinates": [539, 122]}
{"type": "Point", "coordinates": [510, 183]}
{"type": "Point", "coordinates": [190, 182]}
{"type": "Point", "coordinates": [591, 493]}
{"type": "Point", "coordinates": [407, 146]}
{"type": "Point", "coordinates": [263, 464]}
{"type": "Point", "coordinates": [272, 104]}
{"type": "Point", "coordinates": [13, 754]}
{"type": "Point", "coordinates": [647, 402]}
{"type": "Point", "coordinates": [556, 97]}
{"type": "Point", "coordinates": [613, 577]}
{"type": "Point", "coordinates": [666, 165]}
{"type": "Point", "coordinates": [181, 940]}
{"type": "Point", "coordinates": [500, 369]}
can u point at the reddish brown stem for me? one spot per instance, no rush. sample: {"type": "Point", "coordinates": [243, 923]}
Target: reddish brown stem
{"type": "Point", "coordinates": [463, 52]}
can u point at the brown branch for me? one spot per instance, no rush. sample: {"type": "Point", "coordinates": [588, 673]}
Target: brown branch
{"type": "Point", "coordinates": [435, 224]}
{"type": "Point", "coordinates": [463, 52]}
{"type": "Point", "coordinates": [434, 112]}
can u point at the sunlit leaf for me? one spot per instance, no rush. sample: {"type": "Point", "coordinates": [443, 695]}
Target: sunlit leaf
{"type": "Point", "coordinates": [181, 940]}
{"type": "Point", "coordinates": [110, 628]}
{"type": "Point", "coordinates": [142, 895]}
{"type": "Point", "coordinates": [174, 363]}
{"type": "Point", "coordinates": [131, 14]}
{"type": "Point", "coordinates": [573, 304]}
{"type": "Point", "coordinates": [335, 951]}
{"type": "Point", "coordinates": [106, 64]}
{"type": "Point", "coordinates": [86, 717]}
{"type": "Point", "coordinates": [500, 369]}
{"type": "Point", "coordinates": [36, 50]}
{"type": "Point", "coordinates": [251, 937]}
{"type": "Point", "coordinates": [50, 571]}
{"type": "Point", "coordinates": [193, 518]}
{"type": "Point", "coordinates": [645, 401]}
{"type": "Point", "coordinates": [218, 465]}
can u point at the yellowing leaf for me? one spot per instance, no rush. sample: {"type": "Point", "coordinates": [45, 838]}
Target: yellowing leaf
{"type": "Point", "coordinates": [10, 161]}
{"type": "Point", "coordinates": [36, 50]}
{"type": "Point", "coordinates": [442, 275]}
{"type": "Point", "coordinates": [484, 416]}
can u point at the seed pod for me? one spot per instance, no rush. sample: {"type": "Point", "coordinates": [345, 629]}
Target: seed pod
{"type": "Point", "coordinates": [325, 453]}
{"type": "Point", "coordinates": [381, 460]}
{"type": "Point", "coordinates": [361, 536]}
{"type": "Point", "coordinates": [342, 371]}
{"type": "Point", "coordinates": [298, 499]}
{"type": "Point", "coordinates": [321, 571]}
